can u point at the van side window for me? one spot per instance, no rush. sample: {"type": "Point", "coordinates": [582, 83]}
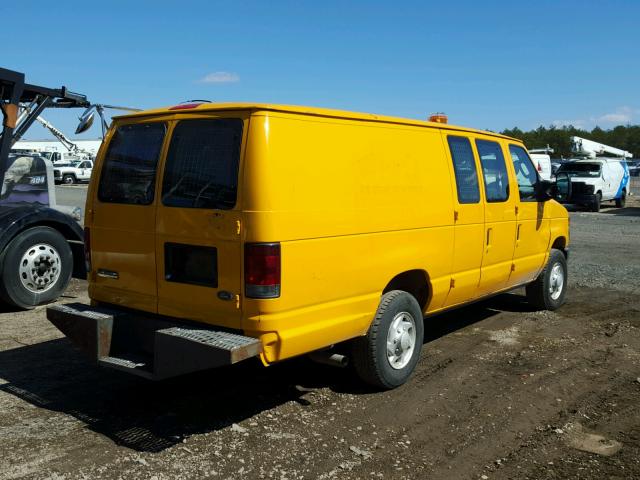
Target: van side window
{"type": "Point", "coordinates": [129, 169]}
{"type": "Point", "coordinates": [494, 170]}
{"type": "Point", "coordinates": [202, 164]}
{"type": "Point", "coordinates": [464, 166]}
{"type": "Point", "coordinates": [525, 173]}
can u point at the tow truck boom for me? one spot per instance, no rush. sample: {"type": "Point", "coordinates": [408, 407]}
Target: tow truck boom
{"type": "Point", "coordinates": [41, 247]}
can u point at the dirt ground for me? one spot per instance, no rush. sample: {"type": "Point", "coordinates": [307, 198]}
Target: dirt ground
{"type": "Point", "coordinates": [501, 392]}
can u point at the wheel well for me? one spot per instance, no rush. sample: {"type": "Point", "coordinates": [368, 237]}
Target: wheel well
{"type": "Point", "coordinates": [560, 243]}
{"type": "Point", "coordinates": [415, 282]}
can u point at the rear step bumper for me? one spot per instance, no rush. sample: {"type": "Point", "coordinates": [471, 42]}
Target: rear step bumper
{"type": "Point", "coordinates": [149, 346]}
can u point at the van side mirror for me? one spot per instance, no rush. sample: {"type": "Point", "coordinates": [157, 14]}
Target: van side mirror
{"type": "Point", "coordinates": [544, 190]}
{"type": "Point", "coordinates": [559, 190]}
{"type": "Point", "coordinates": [562, 187]}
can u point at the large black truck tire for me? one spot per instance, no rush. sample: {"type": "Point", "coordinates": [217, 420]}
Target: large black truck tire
{"type": "Point", "coordinates": [35, 267]}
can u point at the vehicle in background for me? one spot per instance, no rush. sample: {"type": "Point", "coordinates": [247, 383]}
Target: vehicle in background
{"type": "Point", "coordinates": [542, 160]}
{"type": "Point", "coordinates": [634, 167]}
{"type": "Point", "coordinates": [598, 180]}
{"type": "Point", "coordinates": [210, 242]}
{"type": "Point", "coordinates": [73, 149]}
{"type": "Point", "coordinates": [41, 244]}
{"type": "Point", "coordinates": [555, 165]}
{"type": "Point", "coordinates": [60, 158]}
{"type": "Point", "coordinates": [74, 172]}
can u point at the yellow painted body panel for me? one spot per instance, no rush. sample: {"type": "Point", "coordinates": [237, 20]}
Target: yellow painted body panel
{"type": "Point", "coordinates": [353, 199]}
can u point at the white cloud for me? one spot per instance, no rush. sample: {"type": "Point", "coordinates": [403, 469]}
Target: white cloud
{"type": "Point", "coordinates": [220, 77]}
{"type": "Point", "coordinates": [621, 115]}
{"type": "Point", "coordinates": [578, 123]}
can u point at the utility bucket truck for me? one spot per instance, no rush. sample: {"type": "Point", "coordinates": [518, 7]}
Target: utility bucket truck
{"type": "Point", "coordinates": [596, 179]}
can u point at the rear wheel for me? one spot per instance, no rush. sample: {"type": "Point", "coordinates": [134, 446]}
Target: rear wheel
{"type": "Point", "coordinates": [620, 202]}
{"type": "Point", "coordinates": [547, 292]}
{"type": "Point", "coordinates": [35, 267]}
{"type": "Point", "coordinates": [388, 354]}
{"type": "Point", "coordinates": [595, 206]}
{"type": "Point", "coordinates": [68, 179]}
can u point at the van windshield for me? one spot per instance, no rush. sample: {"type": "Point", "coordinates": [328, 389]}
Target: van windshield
{"type": "Point", "coordinates": [202, 164]}
{"type": "Point", "coordinates": [580, 169]}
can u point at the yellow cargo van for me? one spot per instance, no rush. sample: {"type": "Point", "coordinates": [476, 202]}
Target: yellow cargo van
{"type": "Point", "coordinates": [217, 232]}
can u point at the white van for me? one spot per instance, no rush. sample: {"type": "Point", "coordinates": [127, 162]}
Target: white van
{"type": "Point", "coordinates": [597, 180]}
{"type": "Point", "coordinates": [542, 162]}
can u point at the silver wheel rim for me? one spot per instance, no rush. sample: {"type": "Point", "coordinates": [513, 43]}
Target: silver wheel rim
{"type": "Point", "coordinates": [401, 340]}
{"type": "Point", "coordinates": [40, 268]}
{"type": "Point", "coordinates": [68, 180]}
{"type": "Point", "coordinates": [556, 281]}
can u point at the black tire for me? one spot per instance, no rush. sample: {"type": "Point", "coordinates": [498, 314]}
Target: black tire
{"type": "Point", "coordinates": [68, 179]}
{"type": "Point", "coordinates": [370, 352]}
{"type": "Point", "coordinates": [12, 288]}
{"type": "Point", "coordinates": [621, 202]}
{"type": "Point", "coordinates": [539, 294]}
{"type": "Point", "coordinates": [595, 206]}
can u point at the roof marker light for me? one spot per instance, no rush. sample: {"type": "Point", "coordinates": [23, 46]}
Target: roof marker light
{"type": "Point", "coordinates": [438, 117]}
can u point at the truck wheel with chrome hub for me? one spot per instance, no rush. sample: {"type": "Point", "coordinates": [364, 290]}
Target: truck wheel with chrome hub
{"type": "Point", "coordinates": [547, 292]}
{"type": "Point", "coordinates": [36, 267]}
{"type": "Point", "coordinates": [388, 354]}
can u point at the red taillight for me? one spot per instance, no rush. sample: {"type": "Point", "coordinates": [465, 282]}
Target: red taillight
{"type": "Point", "coordinates": [262, 270]}
{"type": "Point", "coordinates": [539, 167]}
{"type": "Point", "coordinates": [87, 248]}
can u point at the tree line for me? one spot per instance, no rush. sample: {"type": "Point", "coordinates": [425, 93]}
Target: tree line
{"type": "Point", "coordinates": [624, 137]}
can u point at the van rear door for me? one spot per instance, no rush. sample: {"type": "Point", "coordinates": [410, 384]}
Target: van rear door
{"type": "Point", "coordinates": [121, 218]}
{"type": "Point", "coordinates": [198, 246]}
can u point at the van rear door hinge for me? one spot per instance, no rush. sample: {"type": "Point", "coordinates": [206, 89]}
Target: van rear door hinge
{"type": "Point", "coordinates": [452, 283]}
{"type": "Point", "coordinates": [455, 215]}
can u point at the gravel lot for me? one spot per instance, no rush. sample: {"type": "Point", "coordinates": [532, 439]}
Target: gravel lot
{"type": "Point", "coordinates": [501, 392]}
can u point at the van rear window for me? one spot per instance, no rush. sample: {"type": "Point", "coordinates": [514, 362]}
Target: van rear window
{"type": "Point", "coordinates": [201, 170]}
{"type": "Point", "coordinates": [129, 170]}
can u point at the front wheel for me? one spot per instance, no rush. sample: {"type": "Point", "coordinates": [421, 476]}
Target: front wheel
{"type": "Point", "coordinates": [68, 179]}
{"type": "Point", "coordinates": [597, 200]}
{"type": "Point", "coordinates": [548, 291]}
{"type": "Point", "coordinates": [388, 354]}
{"type": "Point", "coordinates": [35, 267]}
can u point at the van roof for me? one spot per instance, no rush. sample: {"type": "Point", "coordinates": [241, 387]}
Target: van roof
{"type": "Point", "coordinates": [594, 160]}
{"type": "Point", "coordinates": [303, 110]}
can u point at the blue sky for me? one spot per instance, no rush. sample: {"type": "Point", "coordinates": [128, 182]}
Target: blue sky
{"type": "Point", "coordinates": [490, 64]}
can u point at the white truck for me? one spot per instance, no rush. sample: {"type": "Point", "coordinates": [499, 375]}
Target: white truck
{"type": "Point", "coordinates": [597, 179]}
{"type": "Point", "coordinates": [74, 172]}
{"type": "Point", "coordinates": [541, 158]}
